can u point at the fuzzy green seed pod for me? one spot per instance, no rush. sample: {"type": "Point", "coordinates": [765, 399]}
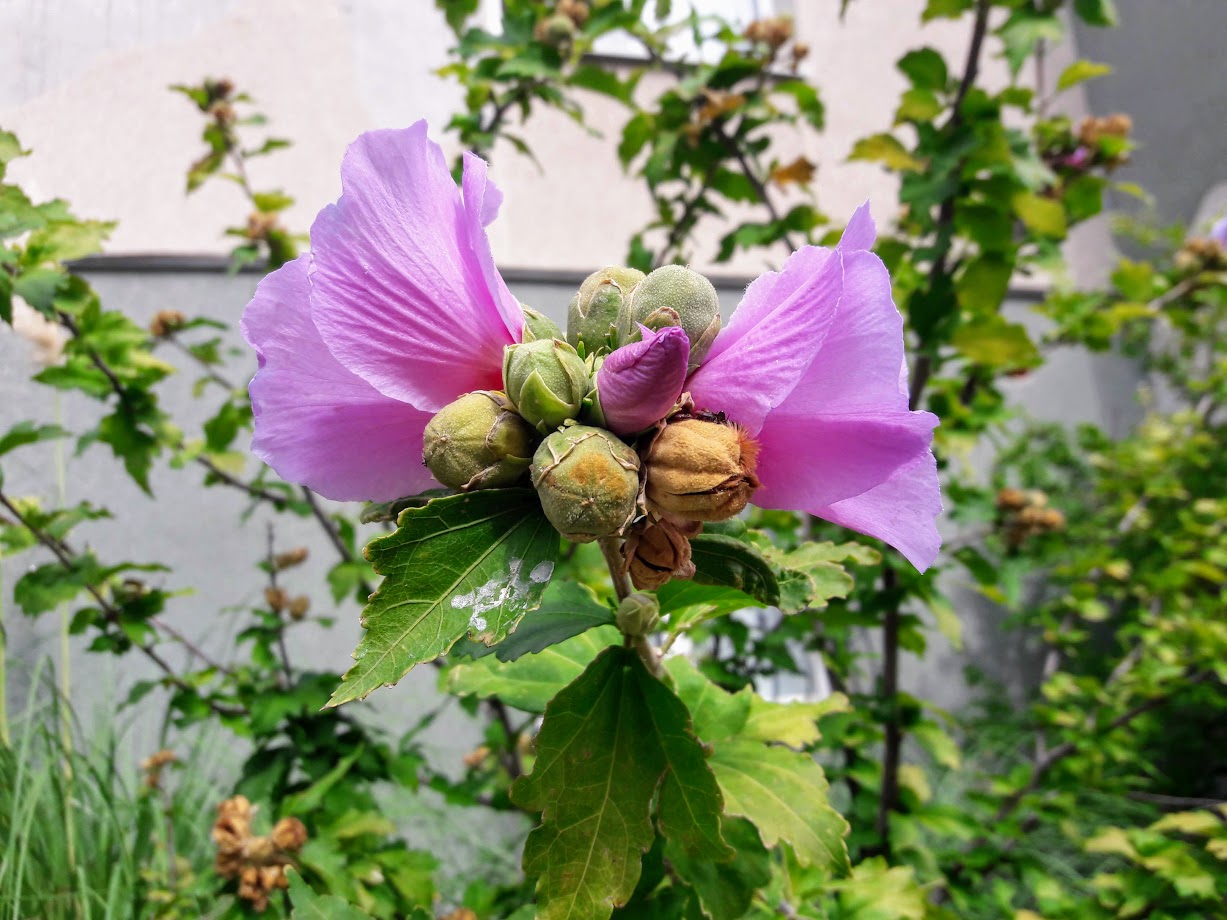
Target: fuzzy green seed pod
{"type": "Point", "coordinates": [592, 317]}
{"type": "Point", "coordinates": [638, 614]}
{"type": "Point", "coordinates": [588, 482]}
{"type": "Point", "coordinates": [478, 442]}
{"type": "Point", "coordinates": [546, 381]}
{"type": "Point", "coordinates": [673, 295]}
{"type": "Point", "coordinates": [538, 326]}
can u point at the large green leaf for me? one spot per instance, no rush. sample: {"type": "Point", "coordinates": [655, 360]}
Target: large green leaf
{"type": "Point", "coordinates": [529, 683]}
{"type": "Point", "coordinates": [687, 603]}
{"type": "Point", "coordinates": [725, 890]}
{"type": "Point", "coordinates": [465, 564]}
{"type": "Point", "coordinates": [813, 573]}
{"type": "Point", "coordinates": [784, 793]}
{"type": "Point", "coordinates": [609, 741]}
{"type": "Point", "coordinates": [567, 610]}
{"type": "Point", "coordinates": [723, 560]}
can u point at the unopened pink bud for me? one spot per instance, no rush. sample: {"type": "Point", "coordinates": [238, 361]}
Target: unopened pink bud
{"type": "Point", "coordinates": [639, 383]}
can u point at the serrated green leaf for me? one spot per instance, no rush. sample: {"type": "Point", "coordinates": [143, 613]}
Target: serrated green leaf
{"type": "Point", "coordinates": [1080, 71]}
{"type": "Point", "coordinates": [687, 603]}
{"type": "Point", "coordinates": [995, 342]}
{"type": "Point", "coordinates": [609, 741]}
{"type": "Point", "coordinates": [567, 610]}
{"type": "Point", "coordinates": [1097, 12]}
{"type": "Point", "coordinates": [716, 713]}
{"type": "Point", "coordinates": [10, 149]}
{"type": "Point", "coordinates": [307, 905]}
{"type": "Point", "coordinates": [64, 240]}
{"type": "Point", "coordinates": [784, 793]}
{"type": "Point", "coordinates": [721, 560]}
{"type": "Point", "coordinates": [877, 891]}
{"type": "Point", "coordinates": [887, 150]}
{"type": "Point", "coordinates": [1041, 215]}
{"type": "Point", "coordinates": [791, 724]}
{"type": "Point", "coordinates": [24, 433]}
{"type": "Point", "coordinates": [530, 682]}
{"type": "Point", "coordinates": [725, 890]}
{"type": "Point", "coordinates": [466, 564]}
{"type": "Point", "coordinates": [810, 576]}
{"type": "Point", "coordinates": [925, 68]}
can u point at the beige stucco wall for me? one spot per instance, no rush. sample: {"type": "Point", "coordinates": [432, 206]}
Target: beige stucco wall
{"type": "Point", "coordinates": [88, 94]}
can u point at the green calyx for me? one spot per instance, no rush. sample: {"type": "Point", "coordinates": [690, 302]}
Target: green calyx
{"type": "Point", "coordinates": [673, 295]}
{"type": "Point", "coordinates": [538, 326]}
{"type": "Point", "coordinates": [588, 482]}
{"type": "Point", "coordinates": [546, 381]}
{"type": "Point", "coordinates": [478, 442]}
{"type": "Point", "coordinates": [593, 315]}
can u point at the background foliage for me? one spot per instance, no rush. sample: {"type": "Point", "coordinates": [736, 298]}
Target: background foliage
{"type": "Point", "coordinates": [1101, 797]}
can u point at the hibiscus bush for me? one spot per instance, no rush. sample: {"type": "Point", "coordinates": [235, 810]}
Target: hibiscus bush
{"type": "Point", "coordinates": [613, 535]}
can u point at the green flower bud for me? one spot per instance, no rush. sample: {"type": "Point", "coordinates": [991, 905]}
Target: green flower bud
{"type": "Point", "coordinates": [638, 614]}
{"type": "Point", "coordinates": [588, 482]}
{"type": "Point", "coordinates": [673, 295]}
{"type": "Point", "coordinates": [546, 381]}
{"type": "Point", "coordinates": [478, 442]}
{"type": "Point", "coordinates": [592, 317]}
{"type": "Point", "coordinates": [538, 326]}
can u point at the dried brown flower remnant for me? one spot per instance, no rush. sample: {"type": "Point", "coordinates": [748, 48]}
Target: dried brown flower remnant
{"type": "Point", "coordinates": [718, 103]}
{"type": "Point", "coordinates": [701, 471]}
{"type": "Point", "coordinates": [773, 31]}
{"type": "Point", "coordinates": [1201, 253]}
{"type": "Point", "coordinates": [575, 10]}
{"type": "Point", "coordinates": [260, 225]}
{"type": "Point", "coordinates": [290, 558]}
{"type": "Point", "coordinates": [658, 551]}
{"type": "Point", "coordinates": [289, 834]}
{"type": "Point", "coordinates": [1023, 515]}
{"type": "Point", "coordinates": [258, 862]}
{"type": "Point", "coordinates": [299, 606]}
{"type": "Point", "coordinates": [276, 599]}
{"type": "Point", "coordinates": [154, 764]}
{"type": "Point", "coordinates": [461, 913]}
{"type": "Point", "coordinates": [165, 322]}
{"type": "Point", "coordinates": [800, 172]}
{"type": "Point", "coordinates": [476, 757]}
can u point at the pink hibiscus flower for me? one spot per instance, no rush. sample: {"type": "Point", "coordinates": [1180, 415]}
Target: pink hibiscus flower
{"type": "Point", "coordinates": [399, 310]}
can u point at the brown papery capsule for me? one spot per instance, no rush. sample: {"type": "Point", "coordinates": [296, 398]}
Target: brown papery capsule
{"type": "Point", "coordinates": [658, 552]}
{"type": "Point", "coordinates": [701, 470]}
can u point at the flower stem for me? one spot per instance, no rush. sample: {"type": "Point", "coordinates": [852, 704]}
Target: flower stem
{"type": "Point", "coordinates": [612, 551]}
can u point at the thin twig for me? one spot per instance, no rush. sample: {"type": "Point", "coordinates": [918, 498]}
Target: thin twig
{"type": "Point", "coordinates": [334, 535]}
{"type": "Point", "coordinates": [1177, 801]}
{"type": "Point", "coordinates": [68, 559]}
{"type": "Point", "coordinates": [286, 670]}
{"type": "Point", "coordinates": [513, 763]}
{"type": "Point", "coordinates": [748, 171]}
{"type": "Point", "coordinates": [209, 371]}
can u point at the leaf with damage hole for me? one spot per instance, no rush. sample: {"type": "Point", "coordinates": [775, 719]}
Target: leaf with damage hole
{"type": "Point", "coordinates": [469, 564]}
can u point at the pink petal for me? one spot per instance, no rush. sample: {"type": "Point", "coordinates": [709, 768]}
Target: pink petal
{"type": "Point", "coordinates": [807, 462]}
{"type": "Point", "coordinates": [901, 511]}
{"type": "Point", "coordinates": [317, 423]}
{"type": "Point", "coordinates": [759, 358]}
{"type": "Point", "coordinates": [640, 382]}
{"type": "Point", "coordinates": [403, 287]}
{"type": "Point", "coordinates": [859, 365]}
{"type": "Point", "coordinates": [860, 232]}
